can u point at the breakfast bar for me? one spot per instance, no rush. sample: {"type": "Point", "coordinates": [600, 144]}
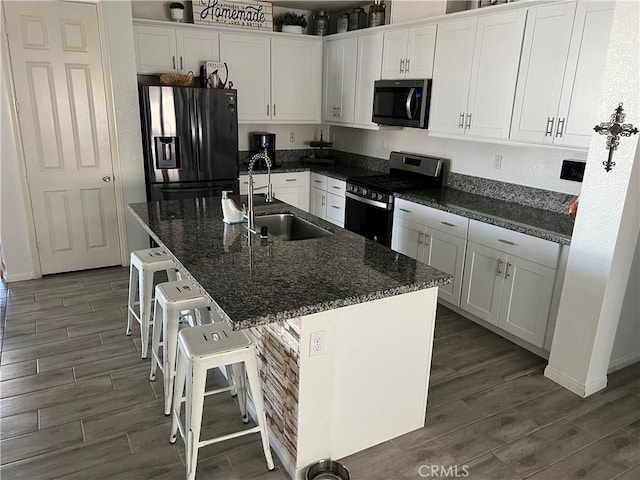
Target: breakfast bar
{"type": "Point", "coordinates": [344, 326]}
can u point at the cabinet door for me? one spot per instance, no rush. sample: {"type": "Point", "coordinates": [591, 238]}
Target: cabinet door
{"type": "Point", "coordinates": [408, 238]}
{"type": "Point", "coordinates": [318, 203]}
{"type": "Point", "coordinates": [194, 47]}
{"type": "Point", "coordinates": [583, 77]}
{"type": "Point", "coordinates": [368, 71]}
{"type": "Point", "coordinates": [526, 298]}
{"type": "Point", "coordinates": [155, 49]}
{"type": "Point", "coordinates": [248, 58]}
{"type": "Point", "coordinates": [482, 282]}
{"type": "Point", "coordinates": [296, 79]}
{"type": "Point", "coordinates": [347, 100]}
{"type": "Point", "coordinates": [295, 196]}
{"type": "Point", "coordinates": [420, 50]}
{"type": "Point", "coordinates": [542, 67]}
{"type": "Point", "coordinates": [335, 209]}
{"type": "Point", "coordinates": [493, 76]}
{"type": "Point", "coordinates": [451, 75]}
{"type": "Point", "coordinates": [394, 54]}
{"type": "Point", "coordinates": [446, 252]}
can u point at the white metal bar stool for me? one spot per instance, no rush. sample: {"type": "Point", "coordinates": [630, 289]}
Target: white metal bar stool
{"type": "Point", "coordinates": [144, 265]}
{"type": "Point", "coordinates": [171, 300]}
{"type": "Point", "coordinates": [199, 350]}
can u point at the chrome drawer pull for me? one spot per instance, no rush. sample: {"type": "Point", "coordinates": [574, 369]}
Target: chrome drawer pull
{"type": "Point", "coordinates": [333, 206]}
{"type": "Point", "coordinates": [333, 186]}
{"type": "Point", "coordinates": [448, 224]}
{"type": "Point", "coordinates": [461, 120]}
{"type": "Point", "coordinates": [507, 242]}
{"type": "Point", "coordinates": [318, 181]}
{"type": "Point", "coordinates": [291, 179]}
{"type": "Point", "coordinates": [549, 131]}
{"type": "Point", "coordinates": [404, 210]}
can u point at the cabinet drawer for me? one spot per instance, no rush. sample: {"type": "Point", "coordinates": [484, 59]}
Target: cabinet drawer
{"type": "Point", "coordinates": [337, 187]}
{"type": "Point", "coordinates": [432, 217]}
{"type": "Point", "coordinates": [289, 179]}
{"type": "Point", "coordinates": [335, 209]}
{"type": "Point", "coordinates": [318, 181]}
{"type": "Point", "coordinates": [524, 246]}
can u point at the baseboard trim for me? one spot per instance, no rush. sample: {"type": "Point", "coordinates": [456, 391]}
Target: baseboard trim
{"type": "Point", "coordinates": [579, 388]}
{"type": "Point", "coordinates": [623, 362]}
{"type": "Point", "coordinates": [19, 277]}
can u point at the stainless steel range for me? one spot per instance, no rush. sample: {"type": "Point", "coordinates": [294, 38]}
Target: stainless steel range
{"type": "Point", "coordinates": [369, 203]}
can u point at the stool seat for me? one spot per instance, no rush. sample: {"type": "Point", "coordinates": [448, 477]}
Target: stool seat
{"type": "Point", "coordinates": [215, 340]}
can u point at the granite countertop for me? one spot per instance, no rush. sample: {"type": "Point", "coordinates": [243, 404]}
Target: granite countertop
{"type": "Point", "coordinates": [536, 222]}
{"type": "Point", "coordinates": [276, 280]}
{"type": "Point", "coordinates": [338, 171]}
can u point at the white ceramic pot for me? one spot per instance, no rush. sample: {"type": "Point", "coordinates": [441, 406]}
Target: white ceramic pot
{"type": "Point", "coordinates": [291, 29]}
{"type": "Point", "coordinates": [177, 14]}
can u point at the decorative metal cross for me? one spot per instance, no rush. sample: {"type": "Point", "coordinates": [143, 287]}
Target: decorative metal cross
{"type": "Point", "coordinates": [614, 129]}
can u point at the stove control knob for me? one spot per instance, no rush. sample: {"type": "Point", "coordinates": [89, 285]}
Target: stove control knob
{"type": "Point", "coordinates": [365, 191]}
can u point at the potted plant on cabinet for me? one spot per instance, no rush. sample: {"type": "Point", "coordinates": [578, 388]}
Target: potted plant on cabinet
{"type": "Point", "coordinates": [290, 22]}
{"type": "Point", "coordinates": [177, 11]}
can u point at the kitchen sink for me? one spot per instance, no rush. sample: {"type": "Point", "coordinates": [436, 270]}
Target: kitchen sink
{"type": "Point", "coordinates": [289, 227]}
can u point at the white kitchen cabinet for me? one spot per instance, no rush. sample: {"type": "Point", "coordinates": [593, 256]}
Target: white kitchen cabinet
{"type": "Point", "coordinates": [161, 49]}
{"type": "Point", "coordinates": [561, 70]}
{"type": "Point", "coordinates": [277, 78]}
{"type": "Point", "coordinates": [292, 188]}
{"type": "Point", "coordinates": [328, 198]}
{"type": "Point", "coordinates": [509, 279]}
{"type": "Point", "coordinates": [434, 237]}
{"type": "Point", "coordinates": [367, 72]}
{"type": "Point", "coordinates": [475, 71]}
{"type": "Point", "coordinates": [318, 202]}
{"type": "Point", "coordinates": [339, 80]}
{"type": "Point", "coordinates": [408, 53]}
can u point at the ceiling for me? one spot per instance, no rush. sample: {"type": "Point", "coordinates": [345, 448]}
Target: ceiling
{"type": "Point", "coordinates": [331, 5]}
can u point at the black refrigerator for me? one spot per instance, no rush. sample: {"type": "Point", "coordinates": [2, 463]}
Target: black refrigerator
{"type": "Point", "coordinates": [190, 141]}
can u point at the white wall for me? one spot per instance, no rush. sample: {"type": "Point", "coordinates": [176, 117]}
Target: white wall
{"type": "Point", "coordinates": [530, 166]}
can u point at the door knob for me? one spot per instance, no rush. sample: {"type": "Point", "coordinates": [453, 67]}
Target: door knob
{"type": "Point", "coordinates": [106, 178]}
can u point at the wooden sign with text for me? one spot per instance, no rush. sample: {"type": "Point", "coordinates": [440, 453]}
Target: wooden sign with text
{"type": "Point", "coordinates": [251, 14]}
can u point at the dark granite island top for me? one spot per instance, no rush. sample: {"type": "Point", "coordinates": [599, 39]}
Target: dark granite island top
{"type": "Point", "coordinates": [276, 280]}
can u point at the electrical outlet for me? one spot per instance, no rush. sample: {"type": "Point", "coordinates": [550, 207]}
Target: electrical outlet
{"type": "Point", "coordinates": [292, 137]}
{"type": "Point", "coordinates": [316, 343]}
{"type": "Point", "coordinates": [497, 162]}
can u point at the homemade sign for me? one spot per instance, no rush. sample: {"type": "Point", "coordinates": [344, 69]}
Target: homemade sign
{"type": "Point", "coordinates": [251, 14]}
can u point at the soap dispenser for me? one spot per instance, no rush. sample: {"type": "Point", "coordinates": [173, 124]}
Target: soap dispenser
{"type": "Point", "coordinates": [230, 211]}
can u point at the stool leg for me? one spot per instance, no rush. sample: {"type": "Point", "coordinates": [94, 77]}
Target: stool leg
{"type": "Point", "coordinates": [256, 392]}
{"type": "Point", "coordinates": [241, 388]}
{"type": "Point", "coordinates": [178, 391]}
{"type": "Point", "coordinates": [170, 321]}
{"type": "Point", "coordinates": [172, 274]}
{"type": "Point", "coordinates": [155, 340]}
{"type": "Point", "coordinates": [146, 294]}
{"type": "Point", "coordinates": [196, 379]}
{"type": "Point", "coordinates": [133, 286]}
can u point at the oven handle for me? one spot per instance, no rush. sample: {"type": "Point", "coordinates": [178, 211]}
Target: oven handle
{"type": "Point", "coordinates": [412, 91]}
{"type": "Point", "coordinates": [368, 201]}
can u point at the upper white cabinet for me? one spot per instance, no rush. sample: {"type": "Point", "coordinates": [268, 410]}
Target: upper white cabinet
{"type": "Point", "coordinates": [278, 79]}
{"type": "Point", "coordinates": [408, 53]}
{"type": "Point", "coordinates": [474, 75]}
{"type": "Point", "coordinates": [561, 72]}
{"type": "Point", "coordinates": [162, 49]}
{"type": "Point", "coordinates": [367, 72]}
{"type": "Point", "coordinates": [339, 80]}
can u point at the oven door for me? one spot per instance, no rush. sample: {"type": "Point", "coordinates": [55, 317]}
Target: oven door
{"type": "Point", "coordinates": [368, 218]}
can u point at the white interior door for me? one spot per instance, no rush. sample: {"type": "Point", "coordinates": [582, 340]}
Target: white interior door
{"type": "Point", "coordinates": [57, 70]}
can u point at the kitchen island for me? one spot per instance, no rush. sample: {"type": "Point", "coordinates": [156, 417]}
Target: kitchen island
{"type": "Point", "coordinates": [369, 313]}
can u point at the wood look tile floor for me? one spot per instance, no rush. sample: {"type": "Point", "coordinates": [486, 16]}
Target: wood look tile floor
{"type": "Point", "coordinates": [76, 403]}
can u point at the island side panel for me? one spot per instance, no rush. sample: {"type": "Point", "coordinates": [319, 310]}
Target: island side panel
{"type": "Point", "coordinates": [279, 365]}
{"type": "Point", "coordinates": [370, 383]}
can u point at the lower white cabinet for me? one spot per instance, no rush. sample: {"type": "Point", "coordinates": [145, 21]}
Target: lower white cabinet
{"type": "Point", "coordinates": [327, 199]}
{"type": "Point", "coordinates": [504, 288]}
{"type": "Point", "coordinates": [291, 188]}
{"type": "Point", "coordinates": [416, 235]}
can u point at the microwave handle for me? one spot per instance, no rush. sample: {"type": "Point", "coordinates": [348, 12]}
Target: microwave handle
{"type": "Point", "coordinates": [412, 91]}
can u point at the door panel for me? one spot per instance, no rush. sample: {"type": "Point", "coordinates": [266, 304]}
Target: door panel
{"type": "Point", "coordinates": [59, 83]}
{"type": "Point", "coordinates": [407, 238]}
{"type": "Point", "coordinates": [368, 71]}
{"type": "Point", "coordinates": [420, 51]}
{"type": "Point", "coordinates": [482, 283]}
{"type": "Point", "coordinates": [394, 51]}
{"type": "Point", "coordinates": [155, 49]}
{"type": "Point", "coordinates": [446, 252]}
{"type": "Point", "coordinates": [194, 48]}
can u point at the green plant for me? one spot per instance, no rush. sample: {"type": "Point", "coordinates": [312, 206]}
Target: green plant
{"type": "Point", "coordinates": [176, 5]}
{"type": "Point", "coordinates": [290, 18]}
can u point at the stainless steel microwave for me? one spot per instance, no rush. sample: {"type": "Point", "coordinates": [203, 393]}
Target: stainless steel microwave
{"type": "Point", "coordinates": [402, 102]}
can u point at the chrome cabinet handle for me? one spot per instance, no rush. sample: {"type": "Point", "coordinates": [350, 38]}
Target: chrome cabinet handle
{"type": "Point", "coordinates": [506, 270]}
{"type": "Point", "coordinates": [274, 109]}
{"type": "Point", "coordinates": [291, 180]}
{"type": "Point", "coordinates": [426, 244]}
{"type": "Point", "coordinates": [420, 242]}
{"type": "Point", "coordinates": [461, 120]}
{"type": "Point", "coordinates": [560, 127]}
{"type": "Point", "coordinates": [173, 61]}
{"type": "Point", "coordinates": [106, 178]}
{"type": "Point", "coordinates": [500, 262]}
{"type": "Point", "coordinates": [406, 64]}
{"type": "Point", "coordinates": [402, 65]}
{"type": "Point", "coordinates": [181, 67]}
{"type": "Point", "coordinates": [333, 206]}
{"type": "Point", "coordinates": [317, 181]}
{"type": "Point", "coordinates": [468, 125]}
{"type": "Point", "coordinates": [267, 109]}
{"type": "Point", "coordinates": [507, 242]}
{"type": "Point", "coordinates": [448, 224]}
{"type": "Point", "coordinates": [323, 201]}
{"type": "Point", "coordinates": [333, 186]}
{"type": "Point", "coordinates": [404, 210]}
{"type": "Point", "coordinates": [549, 131]}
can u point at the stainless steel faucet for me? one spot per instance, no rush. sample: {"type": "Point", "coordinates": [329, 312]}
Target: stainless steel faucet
{"type": "Point", "coordinates": [250, 215]}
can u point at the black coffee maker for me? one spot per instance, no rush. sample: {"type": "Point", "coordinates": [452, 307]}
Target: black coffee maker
{"type": "Point", "coordinates": [262, 142]}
